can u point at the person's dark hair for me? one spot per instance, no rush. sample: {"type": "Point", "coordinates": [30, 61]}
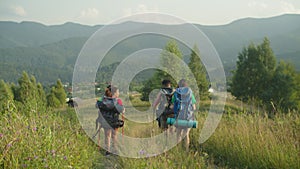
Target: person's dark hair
{"type": "Point", "coordinates": [182, 83]}
{"type": "Point", "coordinates": [166, 82]}
{"type": "Point", "coordinates": [110, 90]}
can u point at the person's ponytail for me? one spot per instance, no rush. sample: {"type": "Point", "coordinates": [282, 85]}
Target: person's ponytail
{"type": "Point", "coordinates": [108, 92]}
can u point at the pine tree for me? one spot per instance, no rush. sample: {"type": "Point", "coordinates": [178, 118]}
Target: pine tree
{"type": "Point", "coordinates": [168, 62]}
{"type": "Point", "coordinates": [34, 90]}
{"type": "Point", "coordinates": [267, 55]}
{"type": "Point", "coordinates": [52, 100]}
{"type": "Point", "coordinates": [41, 95]}
{"type": "Point", "coordinates": [60, 93]}
{"type": "Point", "coordinates": [6, 95]}
{"type": "Point", "coordinates": [199, 72]}
{"type": "Point", "coordinates": [57, 96]}
{"type": "Point", "coordinates": [27, 90]}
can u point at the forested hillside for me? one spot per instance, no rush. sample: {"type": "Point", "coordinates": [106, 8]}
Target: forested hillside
{"type": "Point", "coordinates": [50, 52]}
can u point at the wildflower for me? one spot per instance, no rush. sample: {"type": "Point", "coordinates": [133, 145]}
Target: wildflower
{"type": "Point", "coordinates": [65, 158]}
{"type": "Point", "coordinates": [1, 135]}
{"type": "Point", "coordinates": [53, 152]}
{"type": "Point", "coordinates": [34, 128]}
{"type": "Point", "coordinates": [36, 157]}
{"type": "Point", "coordinates": [9, 145]}
{"type": "Point", "coordinates": [142, 152]}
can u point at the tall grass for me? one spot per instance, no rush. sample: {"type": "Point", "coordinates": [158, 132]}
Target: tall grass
{"type": "Point", "coordinates": [252, 141]}
{"type": "Point", "coordinates": [44, 140]}
{"type": "Point", "coordinates": [55, 139]}
{"type": "Point", "coordinates": [175, 158]}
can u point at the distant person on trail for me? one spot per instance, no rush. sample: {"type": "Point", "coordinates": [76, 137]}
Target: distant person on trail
{"type": "Point", "coordinates": [110, 107]}
{"type": "Point", "coordinates": [184, 106]}
{"type": "Point", "coordinates": [163, 106]}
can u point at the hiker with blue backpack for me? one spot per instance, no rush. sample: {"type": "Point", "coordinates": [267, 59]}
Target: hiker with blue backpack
{"type": "Point", "coordinates": [184, 106]}
{"type": "Point", "coordinates": [110, 107]}
{"type": "Point", "coordinates": [163, 105]}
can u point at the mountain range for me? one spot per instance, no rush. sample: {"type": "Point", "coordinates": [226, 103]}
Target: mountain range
{"type": "Point", "coordinates": [50, 52]}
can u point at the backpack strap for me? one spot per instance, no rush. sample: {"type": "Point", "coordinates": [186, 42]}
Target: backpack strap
{"type": "Point", "coordinates": [165, 102]}
{"type": "Point", "coordinates": [168, 92]}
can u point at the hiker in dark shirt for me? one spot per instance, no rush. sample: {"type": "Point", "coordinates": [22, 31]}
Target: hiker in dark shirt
{"type": "Point", "coordinates": [163, 106]}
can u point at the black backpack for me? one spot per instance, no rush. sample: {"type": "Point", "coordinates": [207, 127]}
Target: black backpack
{"type": "Point", "coordinates": [109, 113]}
{"type": "Point", "coordinates": [165, 104]}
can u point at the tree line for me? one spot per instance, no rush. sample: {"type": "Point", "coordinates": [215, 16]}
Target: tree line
{"type": "Point", "coordinates": [28, 94]}
{"type": "Point", "coordinates": [257, 79]}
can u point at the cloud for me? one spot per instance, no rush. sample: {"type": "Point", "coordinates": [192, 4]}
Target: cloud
{"type": "Point", "coordinates": [89, 13]}
{"type": "Point", "coordinates": [90, 16]}
{"type": "Point", "coordinates": [141, 8]}
{"type": "Point", "coordinates": [272, 9]}
{"type": "Point", "coordinates": [148, 15]}
{"type": "Point", "coordinates": [127, 12]}
{"type": "Point", "coordinates": [257, 5]}
{"type": "Point", "coordinates": [287, 7]}
{"type": "Point", "coordinates": [19, 10]}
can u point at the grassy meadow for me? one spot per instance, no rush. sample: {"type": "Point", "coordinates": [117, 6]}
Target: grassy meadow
{"type": "Point", "coordinates": [55, 139]}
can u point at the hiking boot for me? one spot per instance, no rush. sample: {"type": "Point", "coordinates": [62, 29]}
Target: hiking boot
{"type": "Point", "coordinates": [107, 153]}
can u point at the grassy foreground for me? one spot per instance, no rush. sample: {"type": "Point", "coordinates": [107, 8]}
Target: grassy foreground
{"type": "Point", "coordinates": [240, 141]}
{"type": "Point", "coordinates": [252, 141]}
{"type": "Point", "coordinates": [55, 139]}
{"type": "Point", "coordinates": [44, 140]}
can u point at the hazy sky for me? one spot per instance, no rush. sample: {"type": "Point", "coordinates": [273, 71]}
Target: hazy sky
{"type": "Point", "coordinates": [93, 12]}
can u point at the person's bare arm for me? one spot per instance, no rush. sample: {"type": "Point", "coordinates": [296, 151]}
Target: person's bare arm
{"type": "Point", "coordinates": [156, 101]}
{"type": "Point", "coordinates": [194, 107]}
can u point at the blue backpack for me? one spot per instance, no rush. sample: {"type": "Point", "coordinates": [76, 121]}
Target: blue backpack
{"type": "Point", "coordinates": [183, 106]}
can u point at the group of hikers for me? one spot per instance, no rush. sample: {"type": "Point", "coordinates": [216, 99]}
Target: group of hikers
{"type": "Point", "coordinates": [177, 104]}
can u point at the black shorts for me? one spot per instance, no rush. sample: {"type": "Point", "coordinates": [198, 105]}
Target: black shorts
{"type": "Point", "coordinates": [163, 120]}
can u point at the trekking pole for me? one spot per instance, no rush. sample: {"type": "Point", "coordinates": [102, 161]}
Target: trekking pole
{"type": "Point", "coordinates": [97, 133]}
{"type": "Point", "coordinates": [99, 139]}
{"type": "Point", "coordinates": [123, 128]}
{"type": "Point", "coordinates": [152, 131]}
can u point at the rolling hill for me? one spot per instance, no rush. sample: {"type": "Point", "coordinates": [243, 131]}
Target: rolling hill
{"type": "Point", "coordinates": [50, 52]}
